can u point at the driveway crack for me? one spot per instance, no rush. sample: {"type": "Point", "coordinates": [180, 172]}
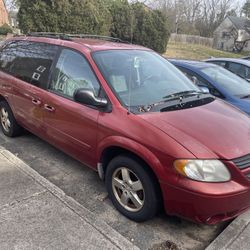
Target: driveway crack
{"type": "Point", "coordinates": [17, 201]}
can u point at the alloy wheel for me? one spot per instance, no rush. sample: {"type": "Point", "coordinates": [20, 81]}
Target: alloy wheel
{"type": "Point", "coordinates": [5, 121]}
{"type": "Point", "coordinates": [128, 189]}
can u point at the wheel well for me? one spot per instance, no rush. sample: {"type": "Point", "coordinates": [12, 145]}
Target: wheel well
{"type": "Point", "coordinates": [2, 98]}
{"type": "Point", "coordinates": [111, 152]}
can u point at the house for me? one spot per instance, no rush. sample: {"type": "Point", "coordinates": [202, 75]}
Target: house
{"type": "Point", "coordinates": [233, 34]}
{"type": "Point", "coordinates": [3, 13]}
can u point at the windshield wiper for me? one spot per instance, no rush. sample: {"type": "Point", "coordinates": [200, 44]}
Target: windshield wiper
{"type": "Point", "coordinates": [245, 96]}
{"type": "Point", "coordinates": [183, 94]}
{"type": "Point", "coordinates": [175, 96]}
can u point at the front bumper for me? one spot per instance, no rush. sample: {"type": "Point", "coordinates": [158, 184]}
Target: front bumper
{"type": "Point", "coordinates": [208, 203]}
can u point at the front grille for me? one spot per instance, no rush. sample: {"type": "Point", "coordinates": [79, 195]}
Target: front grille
{"type": "Point", "coordinates": [242, 162]}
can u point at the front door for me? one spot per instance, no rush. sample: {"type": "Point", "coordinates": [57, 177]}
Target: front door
{"type": "Point", "coordinates": [69, 125]}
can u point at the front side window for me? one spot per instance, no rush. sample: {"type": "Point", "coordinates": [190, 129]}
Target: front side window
{"type": "Point", "coordinates": [28, 61]}
{"type": "Point", "coordinates": [73, 72]}
{"type": "Point", "coordinates": [230, 82]}
{"type": "Point", "coordinates": [201, 82]}
{"type": "Point", "coordinates": [239, 69]}
{"type": "Point", "coordinates": [141, 77]}
{"type": "Point", "coordinates": [196, 79]}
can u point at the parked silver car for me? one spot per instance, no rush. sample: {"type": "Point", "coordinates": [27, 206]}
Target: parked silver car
{"type": "Point", "coordinates": [240, 67]}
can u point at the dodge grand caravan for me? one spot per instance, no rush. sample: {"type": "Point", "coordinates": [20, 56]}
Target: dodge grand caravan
{"type": "Point", "coordinates": [129, 114]}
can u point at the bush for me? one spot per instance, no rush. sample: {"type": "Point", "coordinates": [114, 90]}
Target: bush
{"type": "Point", "coordinates": [122, 25]}
{"type": "Point", "coordinates": [5, 29]}
{"type": "Point", "coordinates": [65, 16]}
{"type": "Point", "coordinates": [150, 28]}
{"type": "Point", "coordinates": [139, 24]}
{"type": "Point", "coordinates": [116, 18]}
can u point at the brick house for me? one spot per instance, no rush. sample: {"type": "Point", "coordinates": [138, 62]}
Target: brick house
{"type": "Point", "coordinates": [3, 13]}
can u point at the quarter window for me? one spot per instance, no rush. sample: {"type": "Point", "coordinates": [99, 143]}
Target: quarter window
{"type": "Point", "coordinates": [28, 61]}
{"type": "Point", "coordinates": [73, 72]}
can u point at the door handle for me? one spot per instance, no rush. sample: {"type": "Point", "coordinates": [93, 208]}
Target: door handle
{"type": "Point", "coordinates": [36, 102]}
{"type": "Point", "coordinates": [49, 108]}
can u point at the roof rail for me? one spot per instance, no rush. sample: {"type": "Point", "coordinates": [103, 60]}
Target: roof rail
{"type": "Point", "coordinates": [108, 38]}
{"type": "Point", "coordinates": [50, 35]}
{"type": "Point", "coordinates": [69, 37]}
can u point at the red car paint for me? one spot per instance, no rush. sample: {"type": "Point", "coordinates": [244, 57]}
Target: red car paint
{"type": "Point", "coordinates": [212, 131]}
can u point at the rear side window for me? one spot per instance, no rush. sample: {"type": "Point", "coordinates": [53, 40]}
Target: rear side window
{"type": "Point", "coordinates": [28, 61]}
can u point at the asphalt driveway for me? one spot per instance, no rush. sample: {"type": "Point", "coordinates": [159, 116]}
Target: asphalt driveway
{"type": "Point", "coordinates": [83, 184]}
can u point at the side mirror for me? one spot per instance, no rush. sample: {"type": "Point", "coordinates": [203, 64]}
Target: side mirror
{"type": "Point", "coordinates": [204, 89]}
{"type": "Point", "coordinates": [87, 96]}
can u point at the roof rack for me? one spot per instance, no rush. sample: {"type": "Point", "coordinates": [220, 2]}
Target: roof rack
{"type": "Point", "coordinates": [69, 37]}
{"type": "Point", "coordinates": [107, 38]}
{"type": "Point", "coordinates": [50, 35]}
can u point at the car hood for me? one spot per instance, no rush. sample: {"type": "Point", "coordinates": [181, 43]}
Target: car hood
{"type": "Point", "coordinates": [242, 104]}
{"type": "Point", "coordinates": [215, 130]}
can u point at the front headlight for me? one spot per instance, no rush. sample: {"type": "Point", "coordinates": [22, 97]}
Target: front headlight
{"type": "Point", "coordinates": [203, 170]}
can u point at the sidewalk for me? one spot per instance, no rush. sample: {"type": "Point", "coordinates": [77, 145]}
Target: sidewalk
{"type": "Point", "coordinates": [235, 236]}
{"type": "Point", "coordinates": [35, 214]}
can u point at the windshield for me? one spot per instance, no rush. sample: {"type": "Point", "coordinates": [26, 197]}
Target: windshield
{"type": "Point", "coordinates": [232, 83]}
{"type": "Point", "coordinates": [141, 77]}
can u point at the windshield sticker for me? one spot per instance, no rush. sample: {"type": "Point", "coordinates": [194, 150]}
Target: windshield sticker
{"type": "Point", "coordinates": [119, 83]}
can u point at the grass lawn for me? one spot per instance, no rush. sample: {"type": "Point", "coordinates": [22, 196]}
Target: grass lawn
{"type": "Point", "coordinates": [196, 52]}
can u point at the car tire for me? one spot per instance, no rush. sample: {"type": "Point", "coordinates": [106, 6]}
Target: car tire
{"type": "Point", "coordinates": [131, 188]}
{"type": "Point", "coordinates": [8, 122]}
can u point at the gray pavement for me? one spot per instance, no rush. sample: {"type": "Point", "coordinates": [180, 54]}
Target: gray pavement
{"type": "Point", "coordinates": [35, 214]}
{"type": "Point", "coordinates": [235, 236]}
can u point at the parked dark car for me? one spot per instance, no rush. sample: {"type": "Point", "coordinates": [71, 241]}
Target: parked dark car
{"type": "Point", "coordinates": [246, 58]}
{"type": "Point", "coordinates": [239, 67]}
{"type": "Point", "coordinates": [220, 82]}
{"type": "Point", "coordinates": [126, 112]}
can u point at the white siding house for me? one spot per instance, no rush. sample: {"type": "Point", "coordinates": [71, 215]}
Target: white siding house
{"type": "Point", "coordinates": [232, 33]}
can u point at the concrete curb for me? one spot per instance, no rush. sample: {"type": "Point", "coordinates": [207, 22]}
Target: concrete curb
{"type": "Point", "coordinates": [231, 233]}
{"type": "Point", "coordinates": [118, 240]}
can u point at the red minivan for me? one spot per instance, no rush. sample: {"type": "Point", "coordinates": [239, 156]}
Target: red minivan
{"type": "Point", "coordinates": [126, 112]}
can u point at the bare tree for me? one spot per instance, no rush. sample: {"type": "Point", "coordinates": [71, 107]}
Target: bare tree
{"type": "Point", "coordinates": [194, 16]}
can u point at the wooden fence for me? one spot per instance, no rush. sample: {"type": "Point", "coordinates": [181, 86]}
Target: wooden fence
{"type": "Point", "coordinates": [183, 38]}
